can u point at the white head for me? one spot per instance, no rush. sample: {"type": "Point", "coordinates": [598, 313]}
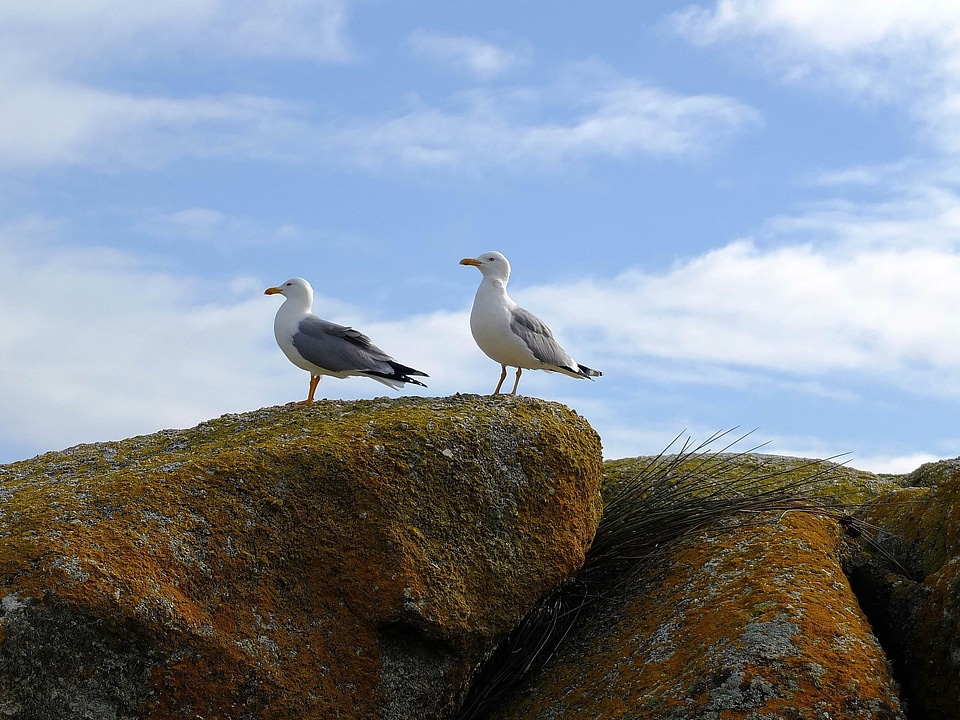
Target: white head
{"type": "Point", "coordinates": [492, 264]}
{"type": "Point", "coordinates": [296, 290]}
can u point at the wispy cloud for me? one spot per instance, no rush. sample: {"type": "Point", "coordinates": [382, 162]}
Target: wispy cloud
{"type": "Point", "coordinates": [606, 116]}
{"type": "Point", "coordinates": [843, 28]}
{"type": "Point", "coordinates": [919, 210]}
{"type": "Point", "coordinates": [56, 36]}
{"type": "Point", "coordinates": [479, 58]}
{"type": "Point", "coordinates": [902, 51]}
{"type": "Point", "coordinates": [623, 120]}
{"type": "Point", "coordinates": [51, 123]}
{"type": "Point", "coordinates": [61, 104]}
{"type": "Point", "coordinates": [214, 227]}
{"type": "Point", "coordinates": [897, 464]}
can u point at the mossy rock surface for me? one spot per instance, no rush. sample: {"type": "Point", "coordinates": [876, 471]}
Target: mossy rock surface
{"type": "Point", "coordinates": [746, 620]}
{"type": "Point", "coordinates": [343, 560]}
{"type": "Point", "coordinates": [932, 473]}
{"type": "Point", "coordinates": [832, 482]}
{"type": "Point", "coordinates": [909, 583]}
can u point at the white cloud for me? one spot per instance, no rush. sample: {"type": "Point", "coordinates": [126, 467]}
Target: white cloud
{"type": "Point", "coordinates": [482, 59]}
{"type": "Point", "coordinates": [51, 123]}
{"type": "Point", "coordinates": [900, 51]}
{"type": "Point", "coordinates": [827, 315]}
{"type": "Point", "coordinates": [58, 105]}
{"type": "Point", "coordinates": [864, 176]}
{"type": "Point", "coordinates": [96, 345]}
{"type": "Point", "coordinates": [602, 115]}
{"type": "Point", "coordinates": [895, 464]}
{"type": "Point", "coordinates": [217, 228]}
{"type": "Point", "coordinates": [56, 35]}
{"type": "Point", "coordinates": [919, 210]}
{"type": "Point", "coordinates": [439, 344]}
{"type": "Point", "coordinates": [840, 28]}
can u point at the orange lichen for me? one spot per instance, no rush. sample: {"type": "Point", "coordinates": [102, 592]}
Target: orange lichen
{"type": "Point", "coordinates": [742, 621]}
{"type": "Point", "coordinates": [262, 554]}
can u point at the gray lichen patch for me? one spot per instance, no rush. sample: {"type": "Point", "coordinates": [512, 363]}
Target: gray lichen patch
{"type": "Point", "coordinates": [739, 621]}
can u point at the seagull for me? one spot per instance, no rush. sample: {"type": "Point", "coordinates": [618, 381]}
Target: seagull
{"type": "Point", "coordinates": [510, 335]}
{"type": "Point", "coordinates": [324, 348]}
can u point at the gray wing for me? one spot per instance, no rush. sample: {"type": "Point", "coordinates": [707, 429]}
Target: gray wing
{"type": "Point", "coordinates": [338, 348]}
{"type": "Point", "coordinates": [539, 339]}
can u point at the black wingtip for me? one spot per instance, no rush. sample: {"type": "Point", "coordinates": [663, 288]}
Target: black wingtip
{"type": "Point", "coordinates": [589, 372]}
{"type": "Point", "coordinates": [401, 373]}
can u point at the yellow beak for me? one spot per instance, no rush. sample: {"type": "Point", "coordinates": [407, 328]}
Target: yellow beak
{"type": "Point", "coordinates": [272, 291]}
{"type": "Point", "coordinates": [470, 261]}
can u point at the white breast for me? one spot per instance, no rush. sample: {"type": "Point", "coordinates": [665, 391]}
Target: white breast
{"type": "Point", "coordinates": [285, 325]}
{"type": "Point", "coordinates": [490, 325]}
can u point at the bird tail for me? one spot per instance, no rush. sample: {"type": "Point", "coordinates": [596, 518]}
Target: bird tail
{"type": "Point", "coordinates": [400, 375]}
{"type": "Point", "coordinates": [588, 373]}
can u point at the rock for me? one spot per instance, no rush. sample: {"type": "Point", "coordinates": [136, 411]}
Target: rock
{"type": "Point", "coordinates": [908, 581]}
{"type": "Point", "coordinates": [362, 560]}
{"type": "Point", "coordinates": [830, 481]}
{"type": "Point", "coordinates": [746, 620]}
{"type": "Point", "coordinates": [931, 473]}
{"type": "Point", "coordinates": [344, 560]}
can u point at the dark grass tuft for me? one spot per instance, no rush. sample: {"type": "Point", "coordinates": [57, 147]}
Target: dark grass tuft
{"type": "Point", "coordinates": [671, 497]}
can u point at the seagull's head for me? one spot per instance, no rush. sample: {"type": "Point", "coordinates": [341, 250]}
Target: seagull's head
{"type": "Point", "coordinates": [297, 290]}
{"type": "Point", "coordinates": [492, 264]}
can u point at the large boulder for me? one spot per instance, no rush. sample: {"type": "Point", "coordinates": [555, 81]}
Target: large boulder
{"type": "Point", "coordinates": [343, 560]}
{"type": "Point", "coordinates": [364, 560]}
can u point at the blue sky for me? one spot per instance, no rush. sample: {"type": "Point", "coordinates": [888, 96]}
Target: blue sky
{"type": "Point", "coordinates": [744, 213]}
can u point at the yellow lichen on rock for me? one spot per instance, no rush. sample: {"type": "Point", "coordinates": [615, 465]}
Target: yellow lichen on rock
{"type": "Point", "coordinates": [744, 620]}
{"type": "Point", "coordinates": [293, 562]}
{"type": "Point", "coordinates": [912, 588]}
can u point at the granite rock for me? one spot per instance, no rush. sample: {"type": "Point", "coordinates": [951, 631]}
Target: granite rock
{"type": "Point", "coordinates": [343, 560]}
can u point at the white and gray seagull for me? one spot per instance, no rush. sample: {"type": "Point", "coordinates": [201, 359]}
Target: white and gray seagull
{"type": "Point", "coordinates": [324, 348]}
{"type": "Point", "coordinates": [510, 335]}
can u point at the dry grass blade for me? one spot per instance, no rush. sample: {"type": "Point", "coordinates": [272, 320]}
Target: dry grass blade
{"type": "Point", "coordinates": [672, 496]}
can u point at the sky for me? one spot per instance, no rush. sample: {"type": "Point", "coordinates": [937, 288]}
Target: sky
{"type": "Point", "coordinates": [745, 213]}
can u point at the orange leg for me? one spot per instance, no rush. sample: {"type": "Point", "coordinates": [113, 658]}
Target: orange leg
{"type": "Point", "coordinates": [503, 374]}
{"type": "Point", "coordinates": [314, 381]}
{"type": "Point", "coordinates": [516, 382]}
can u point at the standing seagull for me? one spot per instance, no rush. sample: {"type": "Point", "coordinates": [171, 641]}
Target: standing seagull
{"type": "Point", "coordinates": [510, 335]}
{"type": "Point", "coordinates": [324, 348]}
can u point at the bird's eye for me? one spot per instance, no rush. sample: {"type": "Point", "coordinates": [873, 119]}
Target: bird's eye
{"type": "Point", "coordinates": [289, 284]}
{"type": "Point", "coordinates": [491, 259]}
